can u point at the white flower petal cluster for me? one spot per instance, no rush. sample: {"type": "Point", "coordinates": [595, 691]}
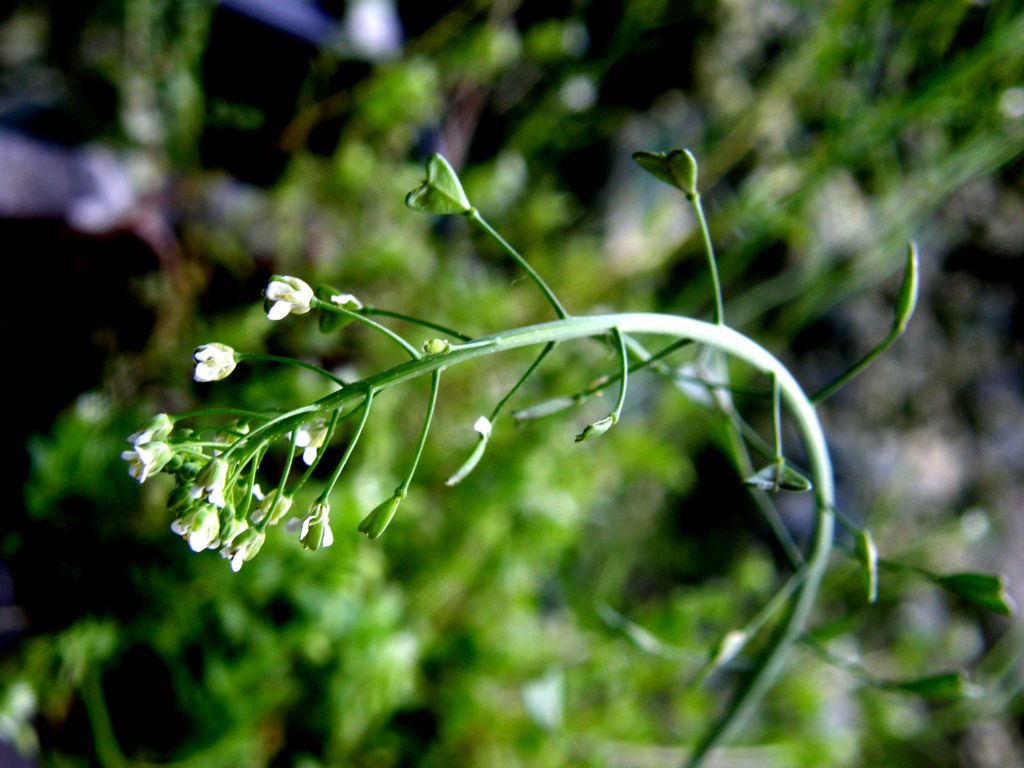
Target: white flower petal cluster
{"type": "Point", "coordinates": [310, 437]}
{"type": "Point", "coordinates": [243, 548]}
{"type": "Point", "coordinates": [287, 295]}
{"type": "Point", "coordinates": [274, 507]}
{"type": "Point", "coordinates": [157, 428]}
{"type": "Point", "coordinates": [213, 362]}
{"type": "Point", "coordinates": [199, 527]}
{"type": "Point", "coordinates": [146, 459]}
{"type": "Point", "coordinates": [316, 527]}
{"type": "Point", "coordinates": [211, 482]}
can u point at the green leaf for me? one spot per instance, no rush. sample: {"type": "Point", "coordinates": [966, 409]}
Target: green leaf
{"type": "Point", "coordinates": [867, 553]}
{"type": "Point", "coordinates": [982, 589]}
{"type": "Point", "coordinates": [677, 168]}
{"type": "Point", "coordinates": [942, 687]}
{"type": "Point", "coordinates": [375, 523]}
{"type": "Point", "coordinates": [779, 476]}
{"type": "Point", "coordinates": [907, 300]}
{"type": "Point", "coordinates": [442, 191]}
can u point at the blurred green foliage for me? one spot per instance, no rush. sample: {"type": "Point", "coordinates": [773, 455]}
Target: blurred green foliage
{"type": "Point", "coordinates": [558, 606]}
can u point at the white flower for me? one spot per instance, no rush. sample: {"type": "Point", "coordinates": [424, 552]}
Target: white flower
{"type": "Point", "coordinates": [243, 548]}
{"type": "Point", "coordinates": [211, 482]}
{"type": "Point", "coordinates": [346, 301]}
{"type": "Point", "coordinates": [310, 437]}
{"type": "Point", "coordinates": [273, 506]}
{"type": "Point", "coordinates": [213, 362]}
{"type": "Point", "coordinates": [147, 459]}
{"type": "Point", "coordinates": [316, 527]}
{"type": "Point", "coordinates": [157, 428]}
{"type": "Point", "coordinates": [483, 426]}
{"type": "Point", "coordinates": [199, 527]}
{"type": "Point", "coordinates": [287, 295]}
{"type": "Point", "coordinates": [229, 531]}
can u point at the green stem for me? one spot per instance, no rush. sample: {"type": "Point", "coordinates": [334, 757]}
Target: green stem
{"type": "Point", "coordinates": [239, 412]}
{"type": "Point", "coordinates": [623, 374]}
{"type": "Point", "coordinates": [251, 357]}
{"type": "Point", "coordinates": [709, 250]}
{"type": "Point", "coordinates": [108, 751]}
{"type": "Point", "coordinates": [522, 379]}
{"type": "Point", "coordinates": [776, 420]}
{"type": "Point", "coordinates": [361, 318]}
{"type": "Point", "coordinates": [738, 433]}
{"type": "Point", "coordinates": [789, 629]}
{"type": "Point", "coordinates": [415, 321]}
{"type": "Point", "coordinates": [262, 524]}
{"type": "Point", "coordinates": [474, 215]}
{"type": "Point", "coordinates": [323, 448]}
{"type": "Point", "coordinates": [367, 403]}
{"type": "Point", "coordinates": [827, 391]}
{"type": "Point", "coordinates": [435, 381]}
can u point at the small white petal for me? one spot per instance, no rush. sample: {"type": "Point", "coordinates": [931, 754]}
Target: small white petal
{"type": "Point", "coordinates": [346, 300]}
{"type": "Point", "coordinates": [236, 561]}
{"type": "Point", "coordinates": [278, 310]}
{"type": "Point", "coordinates": [309, 455]}
{"type": "Point", "coordinates": [199, 540]}
{"type": "Point", "coordinates": [256, 492]}
{"type": "Point", "coordinates": [483, 426]}
{"type": "Point", "coordinates": [304, 531]}
{"type": "Point", "coordinates": [216, 498]}
{"type": "Point", "coordinates": [178, 527]}
{"type": "Point", "coordinates": [328, 537]}
{"type": "Point", "coordinates": [205, 372]}
{"type": "Point", "coordinates": [302, 437]}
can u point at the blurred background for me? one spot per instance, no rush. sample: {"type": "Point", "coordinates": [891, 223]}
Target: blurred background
{"type": "Point", "coordinates": [160, 159]}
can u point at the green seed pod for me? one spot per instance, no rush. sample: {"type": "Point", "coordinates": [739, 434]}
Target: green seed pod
{"type": "Point", "coordinates": [442, 191]}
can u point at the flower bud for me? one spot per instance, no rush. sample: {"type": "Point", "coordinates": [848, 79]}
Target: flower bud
{"type": "Point", "coordinates": [274, 507]}
{"type": "Point", "coordinates": [287, 295]}
{"type": "Point", "coordinates": [598, 428]}
{"type": "Point", "coordinates": [147, 459]}
{"type": "Point", "coordinates": [230, 529]}
{"type": "Point", "coordinates": [157, 428]}
{"type": "Point", "coordinates": [243, 548]}
{"type": "Point", "coordinates": [198, 527]}
{"type": "Point", "coordinates": [374, 524]}
{"type": "Point", "coordinates": [436, 346]}
{"type": "Point", "coordinates": [213, 362]}
{"type": "Point", "coordinates": [211, 481]}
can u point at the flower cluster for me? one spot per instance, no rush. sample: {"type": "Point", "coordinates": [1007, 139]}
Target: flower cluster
{"type": "Point", "coordinates": [216, 502]}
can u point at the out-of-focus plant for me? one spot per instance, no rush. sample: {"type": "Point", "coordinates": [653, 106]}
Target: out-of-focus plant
{"type": "Point", "coordinates": [219, 505]}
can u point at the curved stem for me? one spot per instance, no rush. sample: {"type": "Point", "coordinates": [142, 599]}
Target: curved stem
{"type": "Point", "coordinates": [435, 381]}
{"type": "Point", "coordinates": [476, 218]}
{"type": "Point", "coordinates": [717, 336]}
{"type": "Point", "coordinates": [261, 358]}
{"type": "Point", "coordinates": [623, 373]}
{"type": "Point", "coordinates": [709, 250]}
{"type": "Point", "coordinates": [515, 388]}
{"type": "Point", "coordinates": [361, 318]}
{"type": "Point", "coordinates": [415, 321]}
{"type": "Point", "coordinates": [367, 403]}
